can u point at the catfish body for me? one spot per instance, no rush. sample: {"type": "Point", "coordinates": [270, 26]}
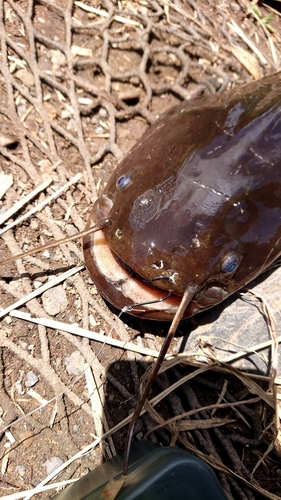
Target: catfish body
{"type": "Point", "coordinates": [195, 204]}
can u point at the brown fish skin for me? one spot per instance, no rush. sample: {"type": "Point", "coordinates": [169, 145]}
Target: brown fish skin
{"type": "Point", "coordinates": [196, 203]}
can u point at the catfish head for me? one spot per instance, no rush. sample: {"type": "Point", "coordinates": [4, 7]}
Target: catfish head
{"type": "Point", "coordinates": [195, 204]}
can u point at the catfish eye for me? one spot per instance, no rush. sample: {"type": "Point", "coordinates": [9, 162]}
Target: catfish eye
{"type": "Point", "coordinates": [230, 262]}
{"type": "Point", "coordinates": [123, 181]}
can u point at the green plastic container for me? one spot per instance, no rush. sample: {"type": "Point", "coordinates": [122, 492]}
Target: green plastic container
{"type": "Point", "coordinates": [164, 473]}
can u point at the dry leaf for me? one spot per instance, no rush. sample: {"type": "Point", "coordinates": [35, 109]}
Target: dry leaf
{"type": "Point", "coordinates": [248, 60]}
{"type": "Point", "coordinates": [112, 488]}
{"type": "Point", "coordinates": [81, 51]}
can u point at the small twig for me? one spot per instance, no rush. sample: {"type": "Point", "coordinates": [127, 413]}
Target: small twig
{"type": "Point", "coordinates": [40, 290]}
{"type": "Point", "coordinates": [250, 44]}
{"type": "Point", "coordinates": [38, 207]}
{"type": "Point", "coordinates": [81, 332]}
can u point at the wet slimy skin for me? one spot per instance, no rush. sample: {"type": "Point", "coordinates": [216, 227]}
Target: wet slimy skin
{"type": "Point", "coordinates": [195, 204]}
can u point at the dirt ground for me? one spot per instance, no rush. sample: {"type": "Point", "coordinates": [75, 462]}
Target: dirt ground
{"type": "Point", "coordinates": [80, 82]}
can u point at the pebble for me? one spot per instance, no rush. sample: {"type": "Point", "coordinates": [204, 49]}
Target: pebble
{"type": "Point", "coordinates": [20, 470]}
{"type": "Point", "coordinates": [92, 320]}
{"type": "Point", "coordinates": [37, 284]}
{"type": "Point", "coordinates": [72, 125]}
{"type": "Point", "coordinates": [102, 112]}
{"type": "Point", "coordinates": [55, 300]}
{"type": "Point", "coordinates": [57, 58]}
{"type": "Point", "coordinates": [99, 130]}
{"type": "Point", "coordinates": [74, 363]}
{"type": "Point", "coordinates": [23, 345]}
{"type": "Point", "coordinates": [21, 108]}
{"type": "Point", "coordinates": [65, 114]}
{"type": "Point", "coordinates": [53, 464]}
{"type": "Point", "coordinates": [31, 379]}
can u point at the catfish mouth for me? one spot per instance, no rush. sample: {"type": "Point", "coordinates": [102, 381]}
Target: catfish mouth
{"type": "Point", "coordinates": [124, 288]}
{"type": "Point", "coordinates": [128, 291]}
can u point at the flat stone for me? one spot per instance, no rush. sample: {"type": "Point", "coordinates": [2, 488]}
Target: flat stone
{"type": "Point", "coordinates": [238, 324]}
{"type": "Point", "coordinates": [55, 300]}
{"type": "Point", "coordinates": [74, 363]}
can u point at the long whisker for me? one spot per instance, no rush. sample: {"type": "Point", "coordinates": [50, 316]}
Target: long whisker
{"type": "Point", "coordinates": [187, 296]}
{"type": "Point", "coordinates": [147, 303]}
{"type": "Point", "coordinates": [97, 227]}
